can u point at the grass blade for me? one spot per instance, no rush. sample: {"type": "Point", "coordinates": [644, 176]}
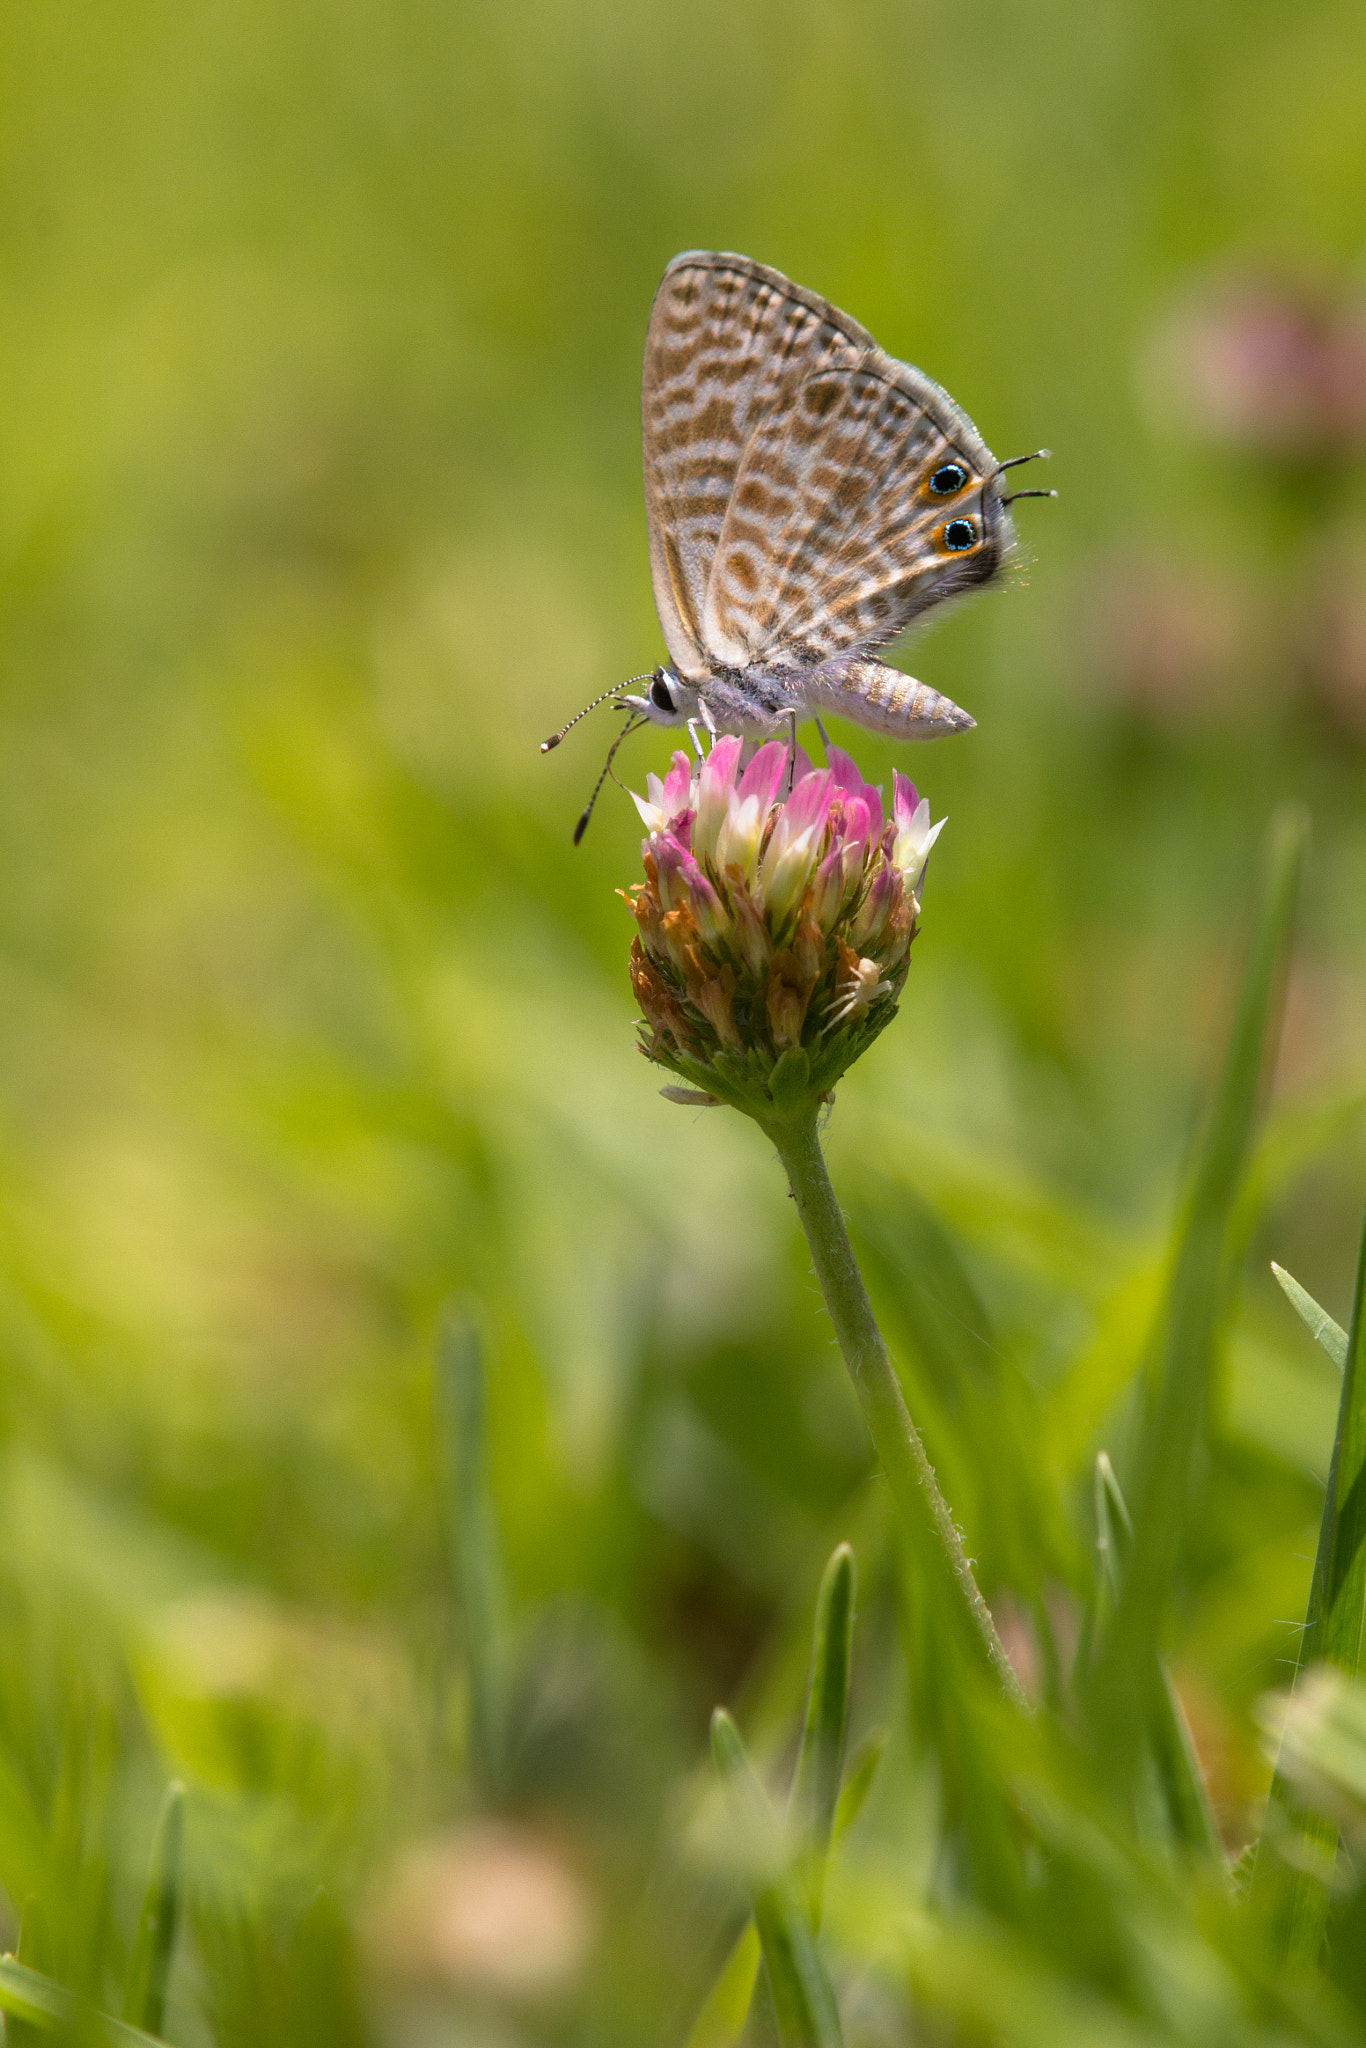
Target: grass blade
{"type": "Point", "coordinates": [471, 1534]}
{"type": "Point", "coordinates": [859, 1780]}
{"type": "Point", "coordinates": [1114, 1530]}
{"type": "Point", "coordinates": [721, 2020]}
{"type": "Point", "coordinates": [812, 1807]}
{"type": "Point", "coordinates": [820, 1760]}
{"type": "Point", "coordinates": [1322, 1733]}
{"type": "Point", "coordinates": [1292, 1893]}
{"type": "Point", "coordinates": [1178, 1779]}
{"type": "Point", "coordinates": [1123, 1690]}
{"type": "Point", "coordinates": [803, 2001]}
{"type": "Point", "coordinates": [1185, 1793]}
{"type": "Point", "coordinates": [37, 2001]}
{"type": "Point", "coordinates": [29, 1997]}
{"type": "Point", "coordinates": [1316, 1320]}
{"type": "Point", "coordinates": [144, 1998]}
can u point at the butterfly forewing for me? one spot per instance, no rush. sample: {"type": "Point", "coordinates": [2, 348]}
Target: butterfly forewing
{"type": "Point", "coordinates": [832, 537]}
{"type": "Point", "coordinates": [726, 336]}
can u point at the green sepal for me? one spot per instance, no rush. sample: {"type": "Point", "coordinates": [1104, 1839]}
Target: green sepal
{"type": "Point", "coordinates": [788, 1084]}
{"type": "Point", "coordinates": [789, 1081]}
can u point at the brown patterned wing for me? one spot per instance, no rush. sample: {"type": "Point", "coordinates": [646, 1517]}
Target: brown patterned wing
{"type": "Point", "coordinates": [725, 337]}
{"type": "Point", "coordinates": [834, 539]}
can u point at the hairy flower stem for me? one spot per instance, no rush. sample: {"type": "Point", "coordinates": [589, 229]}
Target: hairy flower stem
{"type": "Point", "coordinates": [921, 1507]}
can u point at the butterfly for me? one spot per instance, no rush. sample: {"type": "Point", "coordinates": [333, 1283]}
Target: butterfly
{"type": "Point", "coordinates": [807, 497]}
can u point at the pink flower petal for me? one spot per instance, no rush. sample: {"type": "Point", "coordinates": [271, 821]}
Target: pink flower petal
{"type": "Point", "coordinates": [875, 909]}
{"type": "Point", "coordinates": [676, 790]}
{"type": "Point", "coordinates": [849, 778]}
{"type": "Point", "coordinates": [845, 769]}
{"type": "Point", "coordinates": [714, 789]}
{"type": "Point", "coordinates": [707, 906]}
{"type": "Point", "coordinates": [872, 796]}
{"type": "Point", "coordinates": [827, 890]}
{"type": "Point", "coordinates": [672, 864]}
{"type": "Point", "coordinates": [809, 803]}
{"type": "Point", "coordinates": [717, 772]}
{"type": "Point", "coordinates": [794, 844]}
{"type": "Point", "coordinates": [764, 774]}
{"type": "Point", "coordinates": [904, 800]}
{"type": "Point", "coordinates": [857, 821]}
{"type": "Point", "coordinates": [751, 933]}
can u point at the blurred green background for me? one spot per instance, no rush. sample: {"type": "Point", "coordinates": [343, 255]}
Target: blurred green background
{"type": "Point", "coordinates": [320, 505]}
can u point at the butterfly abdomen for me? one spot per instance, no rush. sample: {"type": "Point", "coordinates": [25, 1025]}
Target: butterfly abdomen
{"type": "Point", "coordinates": [883, 699]}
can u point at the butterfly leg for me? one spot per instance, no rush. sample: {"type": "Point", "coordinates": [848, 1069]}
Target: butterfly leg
{"type": "Point", "coordinates": [696, 742]}
{"type": "Point", "coordinates": [825, 737]}
{"type": "Point", "coordinates": [791, 750]}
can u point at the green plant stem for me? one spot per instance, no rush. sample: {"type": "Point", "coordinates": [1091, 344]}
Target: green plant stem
{"type": "Point", "coordinates": [921, 1507]}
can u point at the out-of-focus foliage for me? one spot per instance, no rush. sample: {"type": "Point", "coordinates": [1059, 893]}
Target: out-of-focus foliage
{"type": "Point", "coordinates": [319, 506]}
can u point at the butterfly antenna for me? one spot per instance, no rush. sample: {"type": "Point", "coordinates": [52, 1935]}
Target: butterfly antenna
{"type": "Point", "coordinates": [1014, 461]}
{"type": "Point", "coordinates": [631, 725]}
{"type": "Point", "coordinates": [556, 737]}
{"type": "Point", "coordinates": [1009, 497]}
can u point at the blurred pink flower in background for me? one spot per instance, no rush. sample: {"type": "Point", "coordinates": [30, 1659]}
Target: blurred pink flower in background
{"type": "Point", "coordinates": [1178, 641]}
{"type": "Point", "coordinates": [489, 1909]}
{"type": "Point", "coordinates": [1268, 364]}
{"type": "Point", "coordinates": [1330, 637]}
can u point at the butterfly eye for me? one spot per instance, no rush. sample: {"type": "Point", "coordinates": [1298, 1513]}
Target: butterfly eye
{"type": "Point", "coordinates": [661, 696]}
{"type": "Point", "coordinates": [959, 534]}
{"type": "Point", "coordinates": [948, 478]}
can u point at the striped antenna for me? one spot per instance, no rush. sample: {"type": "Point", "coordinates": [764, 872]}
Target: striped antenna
{"type": "Point", "coordinates": [556, 737]}
{"type": "Point", "coordinates": [1014, 461]}
{"type": "Point", "coordinates": [633, 723]}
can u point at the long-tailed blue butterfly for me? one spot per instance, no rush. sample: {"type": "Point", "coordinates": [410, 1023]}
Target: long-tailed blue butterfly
{"type": "Point", "coordinates": [807, 498]}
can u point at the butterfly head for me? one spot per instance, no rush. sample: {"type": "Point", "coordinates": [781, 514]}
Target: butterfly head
{"type": "Point", "coordinates": [668, 701]}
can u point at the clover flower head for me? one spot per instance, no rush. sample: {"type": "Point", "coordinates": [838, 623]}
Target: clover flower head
{"type": "Point", "coordinates": [775, 920]}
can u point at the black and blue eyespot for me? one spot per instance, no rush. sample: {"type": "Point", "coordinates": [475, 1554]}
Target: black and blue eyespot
{"type": "Point", "coordinates": [959, 534]}
{"type": "Point", "coordinates": [948, 478]}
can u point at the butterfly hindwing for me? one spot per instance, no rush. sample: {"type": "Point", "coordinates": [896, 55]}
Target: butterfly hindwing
{"type": "Point", "coordinates": [833, 539]}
